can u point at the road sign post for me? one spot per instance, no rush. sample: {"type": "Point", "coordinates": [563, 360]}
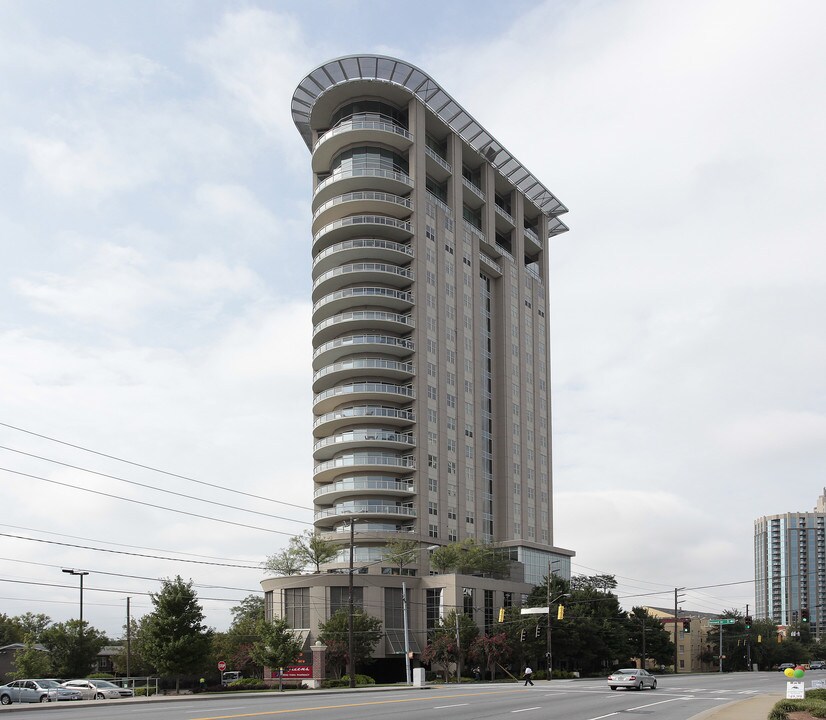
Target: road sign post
{"type": "Point", "coordinates": [222, 666]}
{"type": "Point", "coordinates": [720, 623]}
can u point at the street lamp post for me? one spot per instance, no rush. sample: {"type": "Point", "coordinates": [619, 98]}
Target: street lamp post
{"type": "Point", "coordinates": [79, 573]}
{"type": "Point", "coordinates": [351, 662]}
{"type": "Point", "coordinates": [550, 602]}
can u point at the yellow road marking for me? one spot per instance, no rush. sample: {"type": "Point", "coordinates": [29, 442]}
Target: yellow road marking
{"type": "Point", "coordinates": [350, 705]}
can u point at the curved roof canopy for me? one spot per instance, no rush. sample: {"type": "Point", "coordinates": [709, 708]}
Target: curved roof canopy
{"type": "Point", "coordinates": [418, 83]}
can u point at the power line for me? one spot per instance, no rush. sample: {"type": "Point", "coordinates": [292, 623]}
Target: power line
{"type": "Point", "coordinates": [151, 487]}
{"type": "Point", "coordinates": [109, 542]}
{"type": "Point", "coordinates": [146, 504]}
{"type": "Point", "coordinates": [123, 552]}
{"type": "Point", "coordinates": [153, 469]}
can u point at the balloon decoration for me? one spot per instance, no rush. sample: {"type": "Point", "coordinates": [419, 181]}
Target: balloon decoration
{"type": "Point", "coordinates": [799, 672]}
{"type": "Point", "coordinates": [788, 672]}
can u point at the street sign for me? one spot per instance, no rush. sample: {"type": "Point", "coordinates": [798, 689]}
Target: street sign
{"type": "Point", "coordinates": [723, 621]}
{"type": "Point", "coordinates": [222, 665]}
{"type": "Point", "coordinates": [534, 611]}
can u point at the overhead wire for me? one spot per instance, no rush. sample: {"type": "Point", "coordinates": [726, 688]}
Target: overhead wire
{"type": "Point", "coordinates": [235, 491]}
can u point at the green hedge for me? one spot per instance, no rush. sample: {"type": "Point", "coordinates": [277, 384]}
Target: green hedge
{"type": "Point", "coordinates": [814, 705]}
{"type": "Point", "coordinates": [360, 680]}
{"type": "Point", "coordinates": [247, 684]}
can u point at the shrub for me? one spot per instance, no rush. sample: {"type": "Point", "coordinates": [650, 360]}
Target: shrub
{"type": "Point", "coordinates": [247, 684]}
{"type": "Point", "coordinates": [360, 680]}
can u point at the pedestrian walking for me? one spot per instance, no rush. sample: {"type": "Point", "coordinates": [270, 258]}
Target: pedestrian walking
{"type": "Point", "coordinates": [528, 674]}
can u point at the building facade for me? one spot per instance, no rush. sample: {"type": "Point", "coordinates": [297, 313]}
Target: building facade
{"type": "Point", "coordinates": [431, 347]}
{"type": "Point", "coordinates": [790, 567]}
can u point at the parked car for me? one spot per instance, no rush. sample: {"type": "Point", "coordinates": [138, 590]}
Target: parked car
{"type": "Point", "coordinates": [32, 691]}
{"type": "Point", "coordinates": [632, 678]}
{"type": "Point", "coordinates": [785, 666]}
{"type": "Point", "coordinates": [98, 689]}
{"type": "Point", "coordinates": [817, 665]}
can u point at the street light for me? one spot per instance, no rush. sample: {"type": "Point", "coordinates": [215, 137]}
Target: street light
{"type": "Point", "coordinates": [409, 675]}
{"type": "Point", "coordinates": [79, 573]}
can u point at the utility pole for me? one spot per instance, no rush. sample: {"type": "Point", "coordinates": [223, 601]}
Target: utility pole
{"type": "Point", "coordinates": [351, 661]}
{"type": "Point", "coordinates": [458, 650]}
{"type": "Point", "coordinates": [128, 637]}
{"type": "Point", "coordinates": [643, 639]}
{"type": "Point", "coordinates": [676, 644]}
{"type": "Point", "coordinates": [406, 636]}
{"type": "Point", "coordinates": [748, 642]}
{"type": "Point", "coordinates": [548, 629]}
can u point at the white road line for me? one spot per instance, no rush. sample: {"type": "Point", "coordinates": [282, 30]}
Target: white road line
{"type": "Point", "coordinates": [600, 717]}
{"type": "Point", "coordinates": [659, 702]}
{"type": "Point", "coordinates": [442, 707]}
{"type": "Point", "coordinates": [526, 709]}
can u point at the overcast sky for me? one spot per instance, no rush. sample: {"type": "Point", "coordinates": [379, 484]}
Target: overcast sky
{"type": "Point", "coordinates": [155, 278]}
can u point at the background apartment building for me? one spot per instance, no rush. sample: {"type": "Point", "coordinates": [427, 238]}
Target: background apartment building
{"type": "Point", "coordinates": [432, 406]}
{"type": "Point", "coordinates": [790, 567]}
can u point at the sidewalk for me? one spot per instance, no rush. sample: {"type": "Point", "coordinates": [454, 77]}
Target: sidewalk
{"type": "Point", "coordinates": [755, 708]}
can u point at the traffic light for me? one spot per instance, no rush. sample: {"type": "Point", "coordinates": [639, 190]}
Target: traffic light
{"type": "Point", "coordinates": [759, 638]}
{"type": "Point", "coordinates": [502, 614]}
{"type": "Point", "coordinates": [537, 633]}
{"type": "Point", "coordinates": [560, 612]}
{"type": "Point", "coordinates": [686, 626]}
{"type": "Point", "coordinates": [748, 622]}
{"type": "Point", "coordinates": [522, 635]}
{"type": "Point", "coordinates": [804, 615]}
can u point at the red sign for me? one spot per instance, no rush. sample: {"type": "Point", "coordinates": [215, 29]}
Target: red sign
{"type": "Point", "coordinates": [222, 665]}
{"type": "Point", "coordinates": [295, 671]}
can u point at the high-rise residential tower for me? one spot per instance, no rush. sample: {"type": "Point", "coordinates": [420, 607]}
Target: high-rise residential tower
{"type": "Point", "coordinates": [431, 347]}
{"type": "Point", "coordinates": [790, 567]}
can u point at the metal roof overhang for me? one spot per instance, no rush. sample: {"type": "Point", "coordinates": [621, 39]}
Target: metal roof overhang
{"type": "Point", "coordinates": [416, 82]}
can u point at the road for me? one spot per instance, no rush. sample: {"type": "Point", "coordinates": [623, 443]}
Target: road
{"type": "Point", "coordinates": [677, 698]}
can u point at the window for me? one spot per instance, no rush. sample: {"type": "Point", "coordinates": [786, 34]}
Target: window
{"type": "Point", "coordinates": [468, 430]}
{"type": "Point", "coordinates": [467, 601]}
{"type": "Point", "coordinates": [432, 508]}
{"type": "Point", "coordinates": [431, 392]}
{"type": "Point", "coordinates": [340, 598]}
{"type": "Point", "coordinates": [297, 607]}
{"type": "Point", "coordinates": [433, 600]}
{"type": "Point", "coordinates": [431, 369]}
{"type": "Point", "coordinates": [393, 608]}
{"type": "Point", "coordinates": [451, 400]}
{"type": "Point", "coordinates": [433, 484]}
{"type": "Point", "coordinates": [433, 531]}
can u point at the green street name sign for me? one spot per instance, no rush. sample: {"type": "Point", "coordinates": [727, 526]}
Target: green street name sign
{"type": "Point", "coordinates": [724, 621]}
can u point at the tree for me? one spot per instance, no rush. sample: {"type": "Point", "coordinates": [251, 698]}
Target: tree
{"type": "Point", "coordinates": [490, 651]}
{"type": "Point", "coordinates": [73, 647]}
{"type": "Point", "coordinates": [137, 665]}
{"type": "Point", "coordinates": [367, 631]}
{"type": "Point", "coordinates": [401, 551]}
{"type": "Point", "coordinates": [31, 662]}
{"type": "Point", "coordinates": [276, 645]}
{"type": "Point", "coordinates": [284, 562]}
{"type": "Point", "coordinates": [470, 557]}
{"type": "Point", "coordinates": [311, 548]}
{"type": "Point", "coordinates": [657, 643]}
{"type": "Point", "coordinates": [443, 559]}
{"type": "Point", "coordinates": [235, 645]}
{"type": "Point", "coordinates": [33, 624]}
{"type": "Point", "coordinates": [10, 630]}
{"type": "Point", "coordinates": [173, 638]}
{"type": "Point", "coordinates": [444, 648]}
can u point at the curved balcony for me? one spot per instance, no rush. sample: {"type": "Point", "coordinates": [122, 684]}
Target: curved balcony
{"type": "Point", "coordinates": [339, 348]}
{"type": "Point", "coordinates": [375, 438]}
{"type": "Point", "coordinates": [375, 367]}
{"type": "Point", "coordinates": [362, 178]}
{"type": "Point", "coordinates": [341, 300]}
{"type": "Point", "coordinates": [364, 320]}
{"type": "Point", "coordinates": [362, 462]}
{"type": "Point", "coordinates": [358, 273]}
{"type": "Point", "coordinates": [350, 251]}
{"type": "Point", "coordinates": [360, 415]}
{"type": "Point", "coordinates": [329, 517]}
{"type": "Point", "coordinates": [327, 400]}
{"type": "Point", "coordinates": [353, 226]}
{"type": "Point", "coordinates": [361, 202]}
{"type": "Point", "coordinates": [378, 485]}
{"type": "Point", "coordinates": [354, 131]}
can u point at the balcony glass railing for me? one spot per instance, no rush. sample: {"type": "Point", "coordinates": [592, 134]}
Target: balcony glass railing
{"type": "Point", "coordinates": [360, 195]}
{"type": "Point", "coordinates": [438, 202]}
{"type": "Point", "coordinates": [362, 364]}
{"type": "Point", "coordinates": [365, 244]}
{"type": "Point", "coordinates": [365, 172]}
{"type": "Point", "coordinates": [355, 459]}
{"type": "Point", "coordinates": [440, 161]}
{"type": "Point", "coordinates": [366, 510]}
{"type": "Point", "coordinates": [364, 220]}
{"type": "Point", "coordinates": [361, 268]}
{"type": "Point", "coordinates": [361, 315]}
{"type": "Point", "coordinates": [366, 411]}
{"type": "Point", "coordinates": [364, 340]}
{"type": "Point", "coordinates": [381, 123]}
{"type": "Point", "coordinates": [504, 213]}
{"type": "Point", "coordinates": [475, 189]}
{"type": "Point", "coordinates": [366, 435]}
{"type": "Point", "coordinates": [367, 387]}
{"type": "Point", "coordinates": [364, 292]}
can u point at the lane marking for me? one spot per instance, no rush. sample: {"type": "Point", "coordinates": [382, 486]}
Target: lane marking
{"type": "Point", "coordinates": [442, 707]}
{"type": "Point", "coordinates": [659, 702]}
{"type": "Point", "coordinates": [526, 709]}
{"type": "Point", "coordinates": [599, 717]}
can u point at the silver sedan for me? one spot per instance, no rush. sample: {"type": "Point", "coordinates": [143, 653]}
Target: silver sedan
{"type": "Point", "coordinates": [98, 689]}
{"type": "Point", "coordinates": [632, 678]}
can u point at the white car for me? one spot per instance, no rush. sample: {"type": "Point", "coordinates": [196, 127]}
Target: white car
{"type": "Point", "coordinates": [32, 691]}
{"type": "Point", "coordinates": [632, 678]}
{"type": "Point", "coordinates": [98, 689]}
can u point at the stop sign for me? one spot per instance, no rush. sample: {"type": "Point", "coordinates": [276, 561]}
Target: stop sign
{"type": "Point", "coordinates": [222, 665]}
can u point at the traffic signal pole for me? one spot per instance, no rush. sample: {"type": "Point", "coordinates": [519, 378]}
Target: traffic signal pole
{"type": "Point", "coordinates": [748, 641]}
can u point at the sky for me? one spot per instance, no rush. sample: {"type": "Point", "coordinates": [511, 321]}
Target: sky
{"type": "Point", "coordinates": [155, 280]}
